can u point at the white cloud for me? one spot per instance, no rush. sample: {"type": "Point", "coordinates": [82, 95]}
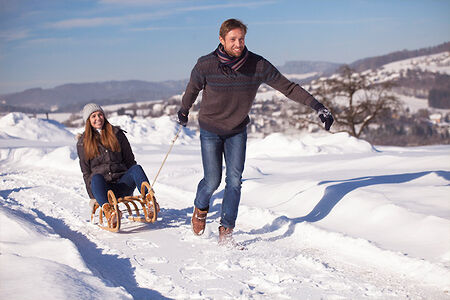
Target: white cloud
{"type": "Point", "coordinates": [14, 35]}
{"type": "Point", "coordinates": [46, 41]}
{"type": "Point", "coordinates": [107, 21]}
{"type": "Point", "coordinates": [138, 2]}
{"type": "Point", "coordinates": [87, 22]}
{"type": "Point", "coordinates": [130, 18]}
{"type": "Point", "coordinates": [160, 28]}
{"type": "Point", "coordinates": [321, 21]}
{"type": "Point", "coordinates": [228, 5]}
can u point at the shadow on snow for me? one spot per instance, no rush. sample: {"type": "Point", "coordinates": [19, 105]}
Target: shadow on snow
{"type": "Point", "coordinates": [117, 271]}
{"type": "Point", "coordinates": [113, 270]}
{"type": "Point", "coordinates": [334, 192]}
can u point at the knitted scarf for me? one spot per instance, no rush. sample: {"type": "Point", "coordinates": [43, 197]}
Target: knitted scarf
{"type": "Point", "coordinates": [230, 64]}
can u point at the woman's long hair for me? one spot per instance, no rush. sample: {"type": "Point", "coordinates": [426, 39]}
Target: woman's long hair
{"type": "Point", "coordinates": [92, 139]}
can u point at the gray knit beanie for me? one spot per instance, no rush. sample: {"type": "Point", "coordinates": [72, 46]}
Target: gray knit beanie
{"type": "Point", "coordinates": [89, 109]}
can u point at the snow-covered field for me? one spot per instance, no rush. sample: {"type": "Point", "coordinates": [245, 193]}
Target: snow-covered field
{"type": "Point", "coordinates": [323, 217]}
{"type": "Point", "coordinates": [435, 63]}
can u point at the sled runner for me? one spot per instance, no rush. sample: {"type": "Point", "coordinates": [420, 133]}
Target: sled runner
{"type": "Point", "coordinates": [145, 202]}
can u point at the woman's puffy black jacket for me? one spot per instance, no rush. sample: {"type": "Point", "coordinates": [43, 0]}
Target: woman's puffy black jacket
{"type": "Point", "coordinates": [112, 165]}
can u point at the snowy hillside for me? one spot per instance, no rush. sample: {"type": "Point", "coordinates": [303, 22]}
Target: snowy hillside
{"type": "Point", "coordinates": [323, 217]}
{"type": "Point", "coordinates": [436, 63]}
{"type": "Point", "coordinates": [411, 91]}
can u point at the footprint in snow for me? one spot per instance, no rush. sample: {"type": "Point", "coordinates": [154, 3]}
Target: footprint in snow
{"type": "Point", "coordinates": [195, 272]}
{"type": "Point", "coordinates": [149, 260]}
{"type": "Point", "coordinates": [137, 243]}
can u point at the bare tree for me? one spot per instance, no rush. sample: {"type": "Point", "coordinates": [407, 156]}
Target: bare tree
{"type": "Point", "coordinates": [134, 107]}
{"type": "Point", "coordinates": [354, 99]}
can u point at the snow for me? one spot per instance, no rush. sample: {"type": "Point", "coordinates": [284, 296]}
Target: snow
{"type": "Point", "coordinates": [23, 127]}
{"type": "Point", "coordinates": [436, 63]}
{"type": "Point", "coordinates": [300, 76]}
{"type": "Point", "coordinates": [278, 145]}
{"type": "Point", "coordinates": [38, 264]}
{"type": "Point", "coordinates": [152, 131]}
{"type": "Point", "coordinates": [324, 216]}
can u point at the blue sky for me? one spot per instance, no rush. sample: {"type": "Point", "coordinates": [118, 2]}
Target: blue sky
{"type": "Point", "coordinates": [51, 42]}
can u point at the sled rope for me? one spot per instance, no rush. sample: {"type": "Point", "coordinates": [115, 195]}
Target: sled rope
{"type": "Point", "coordinates": [165, 158]}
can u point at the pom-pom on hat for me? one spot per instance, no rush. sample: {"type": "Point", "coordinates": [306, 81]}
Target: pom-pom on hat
{"type": "Point", "coordinates": [89, 108]}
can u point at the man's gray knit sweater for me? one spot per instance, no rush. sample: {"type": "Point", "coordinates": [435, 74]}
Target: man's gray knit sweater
{"type": "Point", "coordinates": [227, 98]}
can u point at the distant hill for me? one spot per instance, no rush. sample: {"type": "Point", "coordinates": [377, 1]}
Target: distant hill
{"type": "Point", "coordinates": [327, 68]}
{"type": "Point", "coordinates": [378, 61]}
{"type": "Point", "coordinates": [303, 67]}
{"type": "Point", "coordinates": [72, 97]}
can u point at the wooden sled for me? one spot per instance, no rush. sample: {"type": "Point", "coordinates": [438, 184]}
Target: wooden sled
{"type": "Point", "coordinates": [146, 202]}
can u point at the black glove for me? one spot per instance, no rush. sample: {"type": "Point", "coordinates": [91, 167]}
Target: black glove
{"type": "Point", "coordinates": [326, 117]}
{"type": "Point", "coordinates": [183, 117]}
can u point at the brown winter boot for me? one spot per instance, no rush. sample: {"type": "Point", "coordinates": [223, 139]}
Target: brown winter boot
{"type": "Point", "coordinates": [226, 239]}
{"type": "Point", "coordinates": [111, 215]}
{"type": "Point", "coordinates": [198, 221]}
{"type": "Point", "coordinates": [225, 235]}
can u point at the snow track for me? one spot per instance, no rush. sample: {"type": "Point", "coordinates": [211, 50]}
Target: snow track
{"type": "Point", "coordinates": [284, 260]}
{"type": "Point", "coordinates": [326, 218]}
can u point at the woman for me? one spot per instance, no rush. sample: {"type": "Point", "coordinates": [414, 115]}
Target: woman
{"type": "Point", "coordinates": [106, 160]}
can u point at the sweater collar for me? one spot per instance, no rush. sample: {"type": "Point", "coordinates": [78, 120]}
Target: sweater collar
{"type": "Point", "coordinates": [234, 63]}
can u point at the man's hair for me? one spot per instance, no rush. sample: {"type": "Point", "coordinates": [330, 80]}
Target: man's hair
{"type": "Point", "coordinates": [231, 24]}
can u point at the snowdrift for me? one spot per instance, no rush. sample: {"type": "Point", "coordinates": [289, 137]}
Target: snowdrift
{"type": "Point", "coordinates": [19, 125]}
{"type": "Point", "coordinates": [152, 131]}
{"type": "Point", "coordinates": [278, 145]}
{"type": "Point", "coordinates": [324, 216]}
{"type": "Point", "coordinates": [31, 249]}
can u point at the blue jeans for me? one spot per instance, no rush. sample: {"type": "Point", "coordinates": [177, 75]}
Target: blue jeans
{"type": "Point", "coordinates": [132, 179]}
{"type": "Point", "coordinates": [232, 148]}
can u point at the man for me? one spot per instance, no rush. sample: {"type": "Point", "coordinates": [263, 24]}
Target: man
{"type": "Point", "coordinates": [230, 77]}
